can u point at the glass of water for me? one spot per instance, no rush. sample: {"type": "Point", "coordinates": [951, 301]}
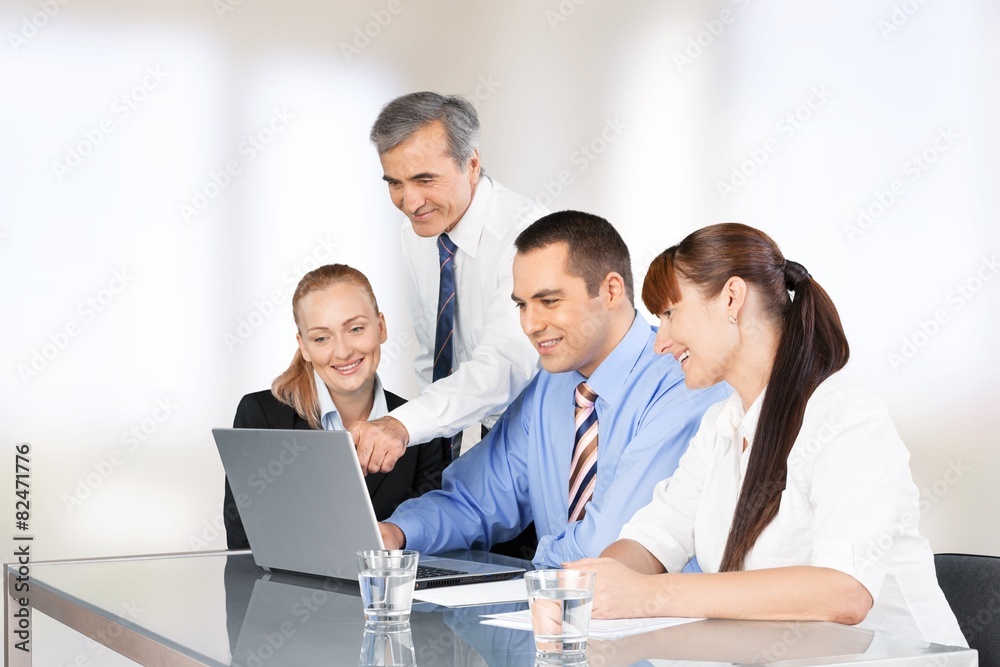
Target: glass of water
{"type": "Point", "coordinates": [386, 578]}
{"type": "Point", "coordinates": [560, 602]}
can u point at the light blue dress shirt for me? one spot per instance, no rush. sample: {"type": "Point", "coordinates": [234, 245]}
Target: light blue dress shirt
{"type": "Point", "coordinates": [329, 416]}
{"type": "Point", "coordinates": [520, 472]}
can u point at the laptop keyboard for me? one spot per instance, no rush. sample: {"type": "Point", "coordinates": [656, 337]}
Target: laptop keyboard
{"type": "Point", "coordinates": [426, 571]}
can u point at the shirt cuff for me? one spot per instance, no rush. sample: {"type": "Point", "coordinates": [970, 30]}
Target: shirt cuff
{"type": "Point", "coordinates": [412, 530]}
{"type": "Point", "coordinates": [418, 420]}
{"type": "Point", "coordinates": [663, 548]}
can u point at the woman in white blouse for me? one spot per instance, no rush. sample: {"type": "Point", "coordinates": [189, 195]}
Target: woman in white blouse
{"type": "Point", "coordinates": [795, 494]}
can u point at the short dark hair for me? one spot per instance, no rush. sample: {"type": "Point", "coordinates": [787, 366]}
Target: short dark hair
{"type": "Point", "coordinates": [595, 247]}
{"type": "Point", "coordinates": [403, 116]}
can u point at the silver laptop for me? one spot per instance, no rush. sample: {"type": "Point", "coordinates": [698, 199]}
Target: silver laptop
{"type": "Point", "coordinates": [305, 507]}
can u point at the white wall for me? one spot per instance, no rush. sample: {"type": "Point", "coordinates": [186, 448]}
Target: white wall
{"type": "Point", "coordinates": [663, 131]}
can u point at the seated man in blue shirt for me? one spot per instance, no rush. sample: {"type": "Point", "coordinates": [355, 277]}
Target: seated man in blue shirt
{"type": "Point", "coordinates": [547, 460]}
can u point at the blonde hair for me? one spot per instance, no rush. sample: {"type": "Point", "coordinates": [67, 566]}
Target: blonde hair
{"type": "Point", "coordinates": [296, 387]}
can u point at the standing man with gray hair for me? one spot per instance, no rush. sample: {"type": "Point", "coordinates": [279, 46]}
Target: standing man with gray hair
{"type": "Point", "coordinates": [458, 249]}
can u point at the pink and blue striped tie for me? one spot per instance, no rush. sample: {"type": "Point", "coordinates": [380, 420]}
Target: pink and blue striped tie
{"type": "Point", "coordinates": [583, 468]}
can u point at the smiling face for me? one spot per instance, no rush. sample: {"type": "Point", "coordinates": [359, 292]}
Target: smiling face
{"type": "Point", "coordinates": [697, 332]}
{"type": "Point", "coordinates": [340, 334]}
{"type": "Point", "coordinates": [426, 184]}
{"type": "Point", "coordinates": [570, 329]}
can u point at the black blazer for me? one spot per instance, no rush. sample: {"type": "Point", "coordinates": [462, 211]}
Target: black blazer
{"type": "Point", "coordinates": [415, 473]}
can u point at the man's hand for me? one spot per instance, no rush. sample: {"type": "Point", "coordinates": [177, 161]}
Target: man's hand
{"type": "Point", "coordinates": [392, 536]}
{"type": "Point", "coordinates": [380, 443]}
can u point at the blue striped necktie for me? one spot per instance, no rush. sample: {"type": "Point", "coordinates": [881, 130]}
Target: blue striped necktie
{"type": "Point", "coordinates": [583, 468]}
{"type": "Point", "coordinates": [445, 333]}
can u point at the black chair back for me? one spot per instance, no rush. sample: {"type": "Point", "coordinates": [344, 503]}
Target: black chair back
{"type": "Point", "coordinates": [971, 584]}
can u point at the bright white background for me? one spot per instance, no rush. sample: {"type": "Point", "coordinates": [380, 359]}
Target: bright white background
{"type": "Point", "coordinates": [132, 325]}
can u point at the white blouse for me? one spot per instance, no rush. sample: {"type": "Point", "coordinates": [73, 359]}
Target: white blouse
{"type": "Point", "coordinates": [850, 504]}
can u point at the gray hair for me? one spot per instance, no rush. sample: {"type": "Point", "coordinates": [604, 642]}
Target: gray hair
{"type": "Point", "coordinates": [403, 116]}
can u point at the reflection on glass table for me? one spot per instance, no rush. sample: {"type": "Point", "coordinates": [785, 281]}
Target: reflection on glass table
{"type": "Point", "coordinates": [219, 609]}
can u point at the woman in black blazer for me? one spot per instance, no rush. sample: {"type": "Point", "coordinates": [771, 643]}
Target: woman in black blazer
{"type": "Point", "coordinates": [331, 384]}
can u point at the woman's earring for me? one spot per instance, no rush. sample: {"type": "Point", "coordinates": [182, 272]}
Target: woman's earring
{"type": "Point", "coordinates": [732, 319]}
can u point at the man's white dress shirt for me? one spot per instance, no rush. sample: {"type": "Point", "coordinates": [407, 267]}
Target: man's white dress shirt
{"type": "Point", "coordinates": [494, 359]}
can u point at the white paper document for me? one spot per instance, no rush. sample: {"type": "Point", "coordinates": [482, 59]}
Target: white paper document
{"type": "Point", "coordinates": [492, 592]}
{"type": "Point", "coordinates": [615, 628]}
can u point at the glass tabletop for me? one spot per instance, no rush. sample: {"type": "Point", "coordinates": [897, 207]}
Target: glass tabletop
{"type": "Point", "coordinates": [221, 609]}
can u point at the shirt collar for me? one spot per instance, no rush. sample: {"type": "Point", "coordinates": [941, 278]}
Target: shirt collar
{"type": "Point", "coordinates": [609, 377]}
{"type": "Point", "coordinates": [329, 416]}
{"type": "Point", "coordinates": [469, 229]}
{"type": "Point", "coordinates": [736, 423]}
